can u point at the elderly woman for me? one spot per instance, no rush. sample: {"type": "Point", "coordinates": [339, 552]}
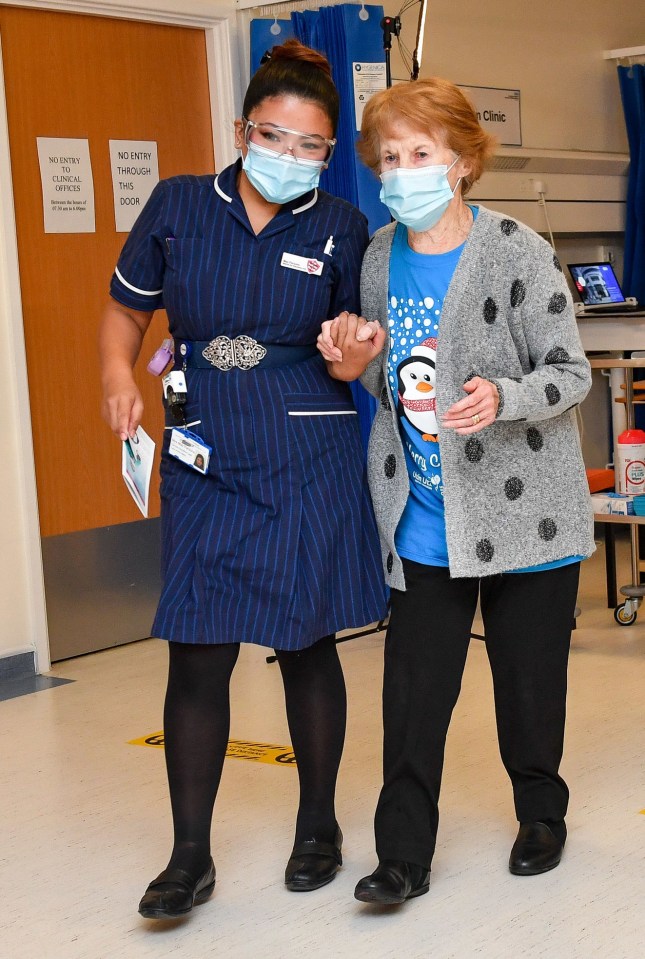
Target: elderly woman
{"type": "Point", "coordinates": [469, 341]}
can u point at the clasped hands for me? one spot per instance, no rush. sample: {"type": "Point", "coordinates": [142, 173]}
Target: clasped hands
{"type": "Point", "coordinates": [349, 343]}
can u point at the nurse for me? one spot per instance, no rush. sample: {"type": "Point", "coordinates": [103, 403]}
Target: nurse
{"type": "Point", "coordinates": [247, 264]}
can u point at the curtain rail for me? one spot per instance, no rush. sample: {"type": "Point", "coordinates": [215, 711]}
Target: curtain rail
{"type": "Point", "coordinates": [288, 6]}
{"type": "Point", "coordinates": [628, 55]}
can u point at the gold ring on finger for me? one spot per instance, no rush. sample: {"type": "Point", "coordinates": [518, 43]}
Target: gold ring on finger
{"type": "Point", "coordinates": [475, 418]}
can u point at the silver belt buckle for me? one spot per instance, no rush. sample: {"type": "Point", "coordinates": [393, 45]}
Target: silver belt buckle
{"type": "Point", "coordinates": [243, 352]}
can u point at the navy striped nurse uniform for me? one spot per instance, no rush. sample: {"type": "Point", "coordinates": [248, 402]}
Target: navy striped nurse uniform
{"type": "Point", "coordinates": [277, 543]}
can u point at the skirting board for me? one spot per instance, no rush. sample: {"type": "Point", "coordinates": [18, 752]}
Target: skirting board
{"type": "Point", "coordinates": [18, 665]}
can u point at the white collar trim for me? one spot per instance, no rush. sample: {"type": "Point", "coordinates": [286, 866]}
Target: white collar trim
{"type": "Point", "coordinates": [307, 206]}
{"type": "Point", "coordinates": [298, 209]}
{"type": "Point", "coordinates": [218, 189]}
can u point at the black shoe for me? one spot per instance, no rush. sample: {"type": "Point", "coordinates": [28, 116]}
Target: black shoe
{"type": "Point", "coordinates": [174, 893]}
{"type": "Point", "coordinates": [536, 849]}
{"type": "Point", "coordinates": [313, 864]}
{"type": "Point", "coordinates": [393, 882]}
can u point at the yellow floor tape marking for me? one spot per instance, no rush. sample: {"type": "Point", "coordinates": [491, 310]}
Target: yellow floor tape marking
{"type": "Point", "coordinates": [237, 749]}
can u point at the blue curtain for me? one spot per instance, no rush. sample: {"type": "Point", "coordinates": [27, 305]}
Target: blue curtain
{"type": "Point", "coordinates": [632, 88]}
{"type": "Point", "coordinates": [265, 34]}
{"type": "Point", "coordinates": [348, 42]}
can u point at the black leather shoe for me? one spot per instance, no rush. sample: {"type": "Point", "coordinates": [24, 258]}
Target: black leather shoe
{"type": "Point", "coordinates": [174, 893]}
{"type": "Point", "coordinates": [536, 849]}
{"type": "Point", "coordinates": [313, 864]}
{"type": "Point", "coordinates": [392, 882]}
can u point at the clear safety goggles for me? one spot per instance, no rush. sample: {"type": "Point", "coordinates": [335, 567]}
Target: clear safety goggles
{"type": "Point", "coordinates": [303, 146]}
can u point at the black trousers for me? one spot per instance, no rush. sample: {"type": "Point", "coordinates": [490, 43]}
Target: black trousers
{"type": "Point", "coordinates": [527, 621]}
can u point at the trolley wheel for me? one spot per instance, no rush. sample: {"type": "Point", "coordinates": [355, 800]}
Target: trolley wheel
{"type": "Point", "coordinates": [623, 616]}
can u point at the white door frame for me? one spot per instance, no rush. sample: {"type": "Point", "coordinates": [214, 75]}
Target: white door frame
{"type": "Point", "coordinates": [217, 19]}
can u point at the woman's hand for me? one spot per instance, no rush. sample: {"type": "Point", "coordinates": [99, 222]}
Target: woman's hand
{"type": "Point", "coordinates": [120, 336]}
{"type": "Point", "coordinates": [475, 411]}
{"type": "Point", "coordinates": [349, 343]}
{"type": "Point", "coordinates": [122, 407]}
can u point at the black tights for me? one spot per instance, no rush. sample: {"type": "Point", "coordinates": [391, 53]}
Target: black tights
{"type": "Point", "coordinates": [196, 732]}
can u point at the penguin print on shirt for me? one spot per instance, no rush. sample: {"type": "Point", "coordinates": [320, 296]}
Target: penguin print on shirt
{"type": "Point", "coordinates": [416, 377]}
{"type": "Point", "coordinates": [418, 284]}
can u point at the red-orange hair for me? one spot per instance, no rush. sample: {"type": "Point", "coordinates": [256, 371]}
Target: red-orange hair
{"type": "Point", "coordinates": [435, 106]}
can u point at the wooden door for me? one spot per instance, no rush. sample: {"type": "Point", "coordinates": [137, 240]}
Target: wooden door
{"type": "Point", "coordinates": [68, 75]}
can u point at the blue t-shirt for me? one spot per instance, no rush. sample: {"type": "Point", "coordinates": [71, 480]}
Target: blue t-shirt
{"type": "Point", "coordinates": [418, 284]}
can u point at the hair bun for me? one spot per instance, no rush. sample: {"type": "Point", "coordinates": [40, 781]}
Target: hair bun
{"type": "Point", "coordinates": [294, 70]}
{"type": "Point", "coordinates": [294, 50]}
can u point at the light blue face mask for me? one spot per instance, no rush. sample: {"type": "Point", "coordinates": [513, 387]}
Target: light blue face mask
{"type": "Point", "coordinates": [279, 177]}
{"type": "Point", "coordinates": [419, 197]}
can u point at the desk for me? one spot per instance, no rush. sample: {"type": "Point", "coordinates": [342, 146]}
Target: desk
{"type": "Point", "coordinates": [612, 333]}
{"type": "Point", "coordinates": [609, 519]}
{"type": "Point", "coordinates": [618, 518]}
{"type": "Point", "coordinates": [615, 363]}
{"type": "Point", "coordinates": [633, 521]}
{"type": "Point", "coordinates": [616, 333]}
{"type": "Point", "coordinates": [628, 366]}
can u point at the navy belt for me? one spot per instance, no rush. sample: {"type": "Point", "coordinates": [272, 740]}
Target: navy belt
{"type": "Point", "coordinates": [243, 352]}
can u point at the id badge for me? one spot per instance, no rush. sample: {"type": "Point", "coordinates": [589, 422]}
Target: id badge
{"type": "Point", "coordinates": [190, 449]}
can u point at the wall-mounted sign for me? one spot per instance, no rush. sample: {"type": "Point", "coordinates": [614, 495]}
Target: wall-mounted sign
{"type": "Point", "coordinates": [68, 187]}
{"type": "Point", "coordinates": [135, 173]}
{"type": "Point", "coordinates": [369, 78]}
{"type": "Point", "coordinates": [498, 112]}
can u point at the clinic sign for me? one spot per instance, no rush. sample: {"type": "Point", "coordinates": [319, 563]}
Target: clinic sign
{"type": "Point", "coordinates": [498, 111]}
{"type": "Point", "coordinates": [135, 173]}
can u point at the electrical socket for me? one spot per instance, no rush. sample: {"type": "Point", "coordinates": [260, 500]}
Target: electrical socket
{"type": "Point", "coordinates": [538, 186]}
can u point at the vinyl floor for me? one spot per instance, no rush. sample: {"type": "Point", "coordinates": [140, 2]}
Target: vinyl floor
{"type": "Point", "coordinates": [84, 818]}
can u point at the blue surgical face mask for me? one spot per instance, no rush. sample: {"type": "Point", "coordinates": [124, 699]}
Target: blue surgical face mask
{"type": "Point", "coordinates": [418, 198]}
{"type": "Point", "coordinates": [280, 177]}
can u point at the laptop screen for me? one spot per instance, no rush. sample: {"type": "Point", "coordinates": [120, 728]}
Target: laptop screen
{"type": "Point", "coordinates": [596, 283]}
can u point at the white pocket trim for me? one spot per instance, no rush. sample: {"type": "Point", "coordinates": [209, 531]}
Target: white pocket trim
{"type": "Point", "coordinates": [324, 413]}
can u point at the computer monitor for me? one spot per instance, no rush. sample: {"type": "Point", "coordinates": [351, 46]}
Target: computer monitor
{"type": "Point", "coordinates": [596, 283]}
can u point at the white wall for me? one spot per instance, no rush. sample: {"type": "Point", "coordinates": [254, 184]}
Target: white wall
{"type": "Point", "coordinates": [22, 612]}
{"type": "Point", "coordinates": [551, 50]}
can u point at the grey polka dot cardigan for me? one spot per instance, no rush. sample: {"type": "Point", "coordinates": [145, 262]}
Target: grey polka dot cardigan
{"type": "Point", "coordinates": [515, 493]}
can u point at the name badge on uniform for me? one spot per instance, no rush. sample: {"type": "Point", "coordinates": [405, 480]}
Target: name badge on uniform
{"type": "Point", "coordinates": [190, 449]}
{"type": "Point", "coordinates": [305, 264]}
